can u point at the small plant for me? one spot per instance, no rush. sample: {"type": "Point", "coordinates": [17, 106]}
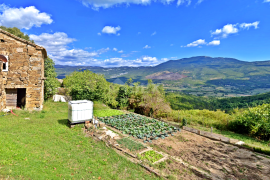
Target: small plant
{"type": "Point", "coordinates": [162, 165]}
{"type": "Point", "coordinates": [184, 122]}
{"type": "Point", "coordinates": [151, 156]}
{"type": "Point", "coordinates": [129, 144]}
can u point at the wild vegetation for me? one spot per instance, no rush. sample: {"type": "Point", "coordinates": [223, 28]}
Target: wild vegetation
{"type": "Point", "coordinates": [151, 101]}
{"type": "Point", "coordinates": [17, 32]}
{"type": "Point", "coordinates": [203, 76]}
{"type": "Point", "coordinates": [51, 83]}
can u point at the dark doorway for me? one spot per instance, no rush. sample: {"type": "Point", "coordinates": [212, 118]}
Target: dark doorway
{"type": "Point", "coordinates": [21, 97]}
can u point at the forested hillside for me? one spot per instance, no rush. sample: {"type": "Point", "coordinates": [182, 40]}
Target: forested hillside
{"type": "Point", "coordinates": [202, 75]}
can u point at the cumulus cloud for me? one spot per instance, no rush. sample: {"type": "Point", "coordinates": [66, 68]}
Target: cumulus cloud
{"type": "Point", "coordinates": [266, 1]}
{"type": "Point", "coordinates": [200, 1]}
{"type": "Point", "coordinates": [226, 30]}
{"type": "Point", "coordinates": [121, 51]}
{"type": "Point", "coordinates": [154, 33]}
{"type": "Point", "coordinates": [248, 25]}
{"type": "Point", "coordinates": [111, 30]}
{"type": "Point", "coordinates": [96, 4]}
{"type": "Point", "coordinates": [197, 43]}
{"type": "Point", "coordinates": [23, 18]}
{"type": "Point", "coordinates": [202, 42]}
{"type": "Point", "coordinates": [146, 47]}
{"type": "Point", "coordinates": [232, 29]}
{"type": "Point", "coordinates": [57, 46]}
{"type": "Point", "coordinates": [214, 43]}
{"type": "Point", "coordinates": [114, 49]}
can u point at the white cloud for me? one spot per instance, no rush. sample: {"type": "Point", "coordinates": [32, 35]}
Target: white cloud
{"type": "Point", "coordinates": [180, 2]}
{"type": "Point", "coordinates": [154, 33]}
{"type": "Point", "coordinates": [96, 4]}
{"type": "Point", "coordinates": [232, 29]}
{"type": "Point", "coordinates": [23, 17]}
{"type": "Point", "coordinates": [99, 34]}
{"type": "Point", "coordinates": [266, 1]}
{"type": "Point", "coordinates": [114, 49]}
{"type": "Point", "coordinates": [200, 1]}
{"type": "Point", "coordinates": [214, 43]}
{"type": "Point", "coordinates": [248, 25]}
{"type": "Point", "coordinates": [143, 61]}
{"type": "Point", "coordinates": [146, 47]}
{"type": "Point", "coordinates": [164, 59]}
{"type": "Point", "coordinates": [57, 47]}
{"type": "Point", "coordinates": [171, 44]}
{"type": "Point", "coordinates": [121, 51]}
{"type": "Point", "coordinates": [197, 43]}
{"type": "Point", "coordinates": [226, 30]}
{"type": "Point", "coordinates": [111, 30]}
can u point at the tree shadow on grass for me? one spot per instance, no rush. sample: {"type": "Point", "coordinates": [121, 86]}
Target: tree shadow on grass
{"type": "Point", "coordinates": [64, 122]}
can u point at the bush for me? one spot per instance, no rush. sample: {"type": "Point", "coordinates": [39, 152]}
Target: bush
{"type": "Point", "coordinates": [90, 86]}
{"type": "Point", "coordinates": [254, 121]}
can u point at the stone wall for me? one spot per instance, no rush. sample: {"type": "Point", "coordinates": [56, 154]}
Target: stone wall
{"type": "Point", "coordinates": [1, 85]}
{"type": "Point", "coordinates": [25, 69]}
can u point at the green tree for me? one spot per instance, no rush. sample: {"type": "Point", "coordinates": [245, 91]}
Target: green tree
{"type": "Point", "coordinates": [123, 96]}
{"type": "Point", "coordinates": [17, 32]}
{"type": "Point", "coordinates": [129, 82]}
{"type": "Point", "coordinates": [50, 83]}
{"type": "Point", "coordinates": [90, 86]}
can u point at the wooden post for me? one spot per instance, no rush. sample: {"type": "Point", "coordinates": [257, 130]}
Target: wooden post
{"type": "Point", "coordinates": [211, 129]}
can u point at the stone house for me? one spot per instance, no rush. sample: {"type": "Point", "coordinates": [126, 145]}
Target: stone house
{"type": "Point", "coordinates": [21, 73]}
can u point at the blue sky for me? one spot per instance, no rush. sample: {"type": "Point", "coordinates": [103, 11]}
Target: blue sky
{"type": "Point", "coordinates": [113, 33]}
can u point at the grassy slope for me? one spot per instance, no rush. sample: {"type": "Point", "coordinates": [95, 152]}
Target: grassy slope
{"type": "Point", "coordinates": [45, 148]}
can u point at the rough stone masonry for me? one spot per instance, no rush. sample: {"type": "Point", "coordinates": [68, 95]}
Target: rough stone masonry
{"type": "Point", "coordinates": [22, 75]}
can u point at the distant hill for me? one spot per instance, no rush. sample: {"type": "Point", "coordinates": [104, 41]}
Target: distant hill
{"type": "Point", "coordinates": [201, 75]}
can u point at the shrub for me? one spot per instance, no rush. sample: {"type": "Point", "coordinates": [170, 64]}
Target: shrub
{"type": "Point", "coordinates": [254, 121]}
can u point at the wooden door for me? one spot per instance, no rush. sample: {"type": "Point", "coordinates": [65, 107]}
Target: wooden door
{"type": "Point", "coordinates": [11, 98]}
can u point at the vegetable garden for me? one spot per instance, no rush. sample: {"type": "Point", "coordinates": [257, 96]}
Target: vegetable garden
{"type": "Point", "coordinates": [140, 127]}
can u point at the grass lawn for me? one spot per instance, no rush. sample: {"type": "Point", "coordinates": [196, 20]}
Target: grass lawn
{"type": "Point", "coordinates": [40, 145]}
{"type": "Point", "coordinates": [101, 110]}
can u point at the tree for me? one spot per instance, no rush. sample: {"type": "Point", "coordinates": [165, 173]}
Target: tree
{"type": "Point", "coordinates": [50, 83]}
{"type": "Point", "coordinates": [17, 32]}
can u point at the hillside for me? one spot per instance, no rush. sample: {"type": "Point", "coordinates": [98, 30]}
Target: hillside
{"type": "Point", "coordinates": [202, 75]}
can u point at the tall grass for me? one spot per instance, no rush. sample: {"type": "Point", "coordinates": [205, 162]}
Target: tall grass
{"type": "Point", "coordinates": [207, 118]}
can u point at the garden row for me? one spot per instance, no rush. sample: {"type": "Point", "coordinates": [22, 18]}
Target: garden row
{"type": "Point", "coordinates": [140, 127]}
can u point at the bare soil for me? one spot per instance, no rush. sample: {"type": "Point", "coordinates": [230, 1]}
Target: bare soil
{"type": "Point", "coordinates": [219, 160]}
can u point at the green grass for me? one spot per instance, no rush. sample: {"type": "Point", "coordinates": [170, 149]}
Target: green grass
{"type": "Point", "coordinates": [249, 141]}
{"type": "Point", "coordinates": [130, 144]}
{"type": "Point", "coordinates": [44, 147]}
{"type": "Point", "coordinates": [101, 110]}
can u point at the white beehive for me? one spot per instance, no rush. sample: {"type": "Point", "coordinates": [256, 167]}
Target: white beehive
{"type": "Point", "coordinates": [80, 111]}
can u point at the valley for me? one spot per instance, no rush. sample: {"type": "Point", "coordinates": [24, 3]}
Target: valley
{"type": "Point", "coordinates": [201, 75]}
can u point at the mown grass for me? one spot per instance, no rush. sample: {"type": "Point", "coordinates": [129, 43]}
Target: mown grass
{"type": "Point", "coordinates": [40, 145]}
{"type": "Point", "coordinates": [101, 110]}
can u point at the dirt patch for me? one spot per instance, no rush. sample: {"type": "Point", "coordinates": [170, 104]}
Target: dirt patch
{"type": "Point", "coordinates": [220, 160]}
{"type": "Point", "coordinates": [175, 170]}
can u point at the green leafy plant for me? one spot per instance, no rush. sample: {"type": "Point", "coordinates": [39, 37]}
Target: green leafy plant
{"type": "Point", "coordinates": [151, 156]}
{"type": "Point", "coordinates": [184, 122]}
